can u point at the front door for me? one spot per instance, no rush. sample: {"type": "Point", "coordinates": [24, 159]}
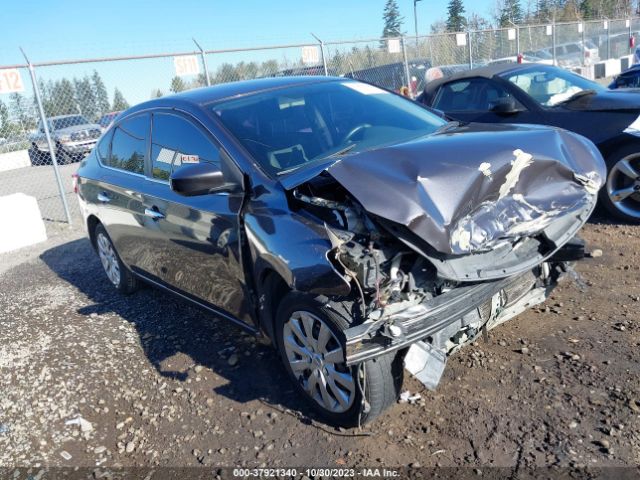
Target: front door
{"type": "Point", "coordinates": [194, 244]}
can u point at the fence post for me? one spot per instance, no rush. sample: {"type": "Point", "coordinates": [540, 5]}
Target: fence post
{"type": "Point", "coordinates": [629, 40]}
{"type": "Point", "coordinates": [608, 40]}
{"type": "Point", "coordinates": [52, 150]}
{"type": "Point", "coordinates": [470, 53]}
{"type": "Point", "coordinates": [204, 62]}
{"type": "Point", "coordinates": [553, 42]}
{"type": "Point", "coordinates": [518, 52]}
{"type": "Point", "coordinates": [323, 54]}
{"type": "Point", "coordinates": [405, 59]}
{"type": "Point", "coordinates": [584, 45]}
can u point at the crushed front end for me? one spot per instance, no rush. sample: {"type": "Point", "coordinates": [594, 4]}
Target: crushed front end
{"type": "Point", "coordinates": [439, 253]}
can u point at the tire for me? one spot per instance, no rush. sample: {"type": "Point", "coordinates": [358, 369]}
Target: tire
{"type": "Point", "coordinates": [118, 274]}
{"type": "Point", "coordinates": [37, 157]}
{"type": "Point", "coordinates": [621, 166]}
{"type": "Point", "coordinates": [381, 377]}
{"type": "Point", "coordinates": [63, 157]}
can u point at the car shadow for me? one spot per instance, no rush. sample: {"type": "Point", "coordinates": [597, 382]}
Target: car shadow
{"type": "Point", "coordinates": [169, 326]}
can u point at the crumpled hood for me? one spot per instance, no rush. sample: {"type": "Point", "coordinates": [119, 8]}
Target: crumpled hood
{"type": "Point", "coordinates": [470, 188]}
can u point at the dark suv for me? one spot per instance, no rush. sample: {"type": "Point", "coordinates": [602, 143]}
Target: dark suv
{"type": "Point", "coordinates": [354, 228]}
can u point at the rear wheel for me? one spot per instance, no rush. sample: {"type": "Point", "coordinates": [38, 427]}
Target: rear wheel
{"type": "Point", "coordinates": [621, 194]}
{"type": "Point", "coordinates": [307, 333]}
{"type": "Point", "coordinates": [119, 275]}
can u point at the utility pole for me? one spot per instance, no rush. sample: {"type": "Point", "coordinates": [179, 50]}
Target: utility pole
{"type": "Point", "coordinates": [415, 19]}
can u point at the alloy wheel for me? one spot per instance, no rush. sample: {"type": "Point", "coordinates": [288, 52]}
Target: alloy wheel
{"type": "Point", "coordinates": [623, 185]}
{"type": "Point", "coordinates": [109, 259]}
{"type": "Point", "coordinates": [316, 359]}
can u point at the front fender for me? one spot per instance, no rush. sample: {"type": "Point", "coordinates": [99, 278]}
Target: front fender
{"type": "Point", "coordinates": [296, 248]}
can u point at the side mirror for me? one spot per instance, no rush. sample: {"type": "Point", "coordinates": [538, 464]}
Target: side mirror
{"type": "Point", "coordinates": [199, 179]}
{"type": "Point", "coordinates": [505, 106]}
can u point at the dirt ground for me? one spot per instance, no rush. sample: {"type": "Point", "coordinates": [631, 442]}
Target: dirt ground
{"type": "Point", "coordinates": [159, 383]}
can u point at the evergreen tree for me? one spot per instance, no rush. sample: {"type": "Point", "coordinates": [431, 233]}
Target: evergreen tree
{"type": "Point", "coordinates": [456, 22]}
{"type": "Point", "coordinates": [119, 103]}
{"type": "Point", "coordinates": [392, 20]}
{"type": "Point", "coordinates": [85, 97]}
{"type": "Point", "coordinates": [510, 13]}
{"type": "Point", "coordinates": [4, 120]}
{"type": "Point", "coordinates": [177, 85]}
{"type": "Point", "coordinates": [100, 94]}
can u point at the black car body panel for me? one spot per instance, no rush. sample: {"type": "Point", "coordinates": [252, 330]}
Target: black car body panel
{"type": "Point", "coordinates": [384, 227]}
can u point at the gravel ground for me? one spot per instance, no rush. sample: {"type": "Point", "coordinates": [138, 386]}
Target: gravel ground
{"type": "Point", "coordinates": [147, 380]}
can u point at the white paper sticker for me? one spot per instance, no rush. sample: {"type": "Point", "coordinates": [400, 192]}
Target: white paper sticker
{"type": "Point", "coordinates": [365, 88]}
{"type": "Point", "coordinates": [393, 45]}
{"type": "Point", "coordinates": [190, 158]}
{"type": "Point", "coordinates": [461, 39]}
{"type": "Point", "coordinates": [549, 29]}
{"type": "Point", "coordinates": [580, 27]}
{"type": "Point", "coordinates": [627, 23]}
{"type": "Point", "coordinates": [11, 81]}
{"type": "Point", "coordinates": [310, 55]}
{"type": "Point", "coordinates": [186, 65]}
{"type": "Point", "coordinates": [511, 34]}
{"type": "Point", "coordinates": [605, 25]}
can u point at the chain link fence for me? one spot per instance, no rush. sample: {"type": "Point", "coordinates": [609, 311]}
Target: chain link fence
{"type": "Point", "coordinates": [79, 99]}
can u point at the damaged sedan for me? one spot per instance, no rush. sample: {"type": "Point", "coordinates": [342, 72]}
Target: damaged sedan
{"type": "Point", "coordinates": [358, 231]}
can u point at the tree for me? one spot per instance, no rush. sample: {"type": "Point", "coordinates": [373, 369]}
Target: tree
{"type": "Point", "coordinates": [510, 13]}
{"type": "Point", "coordinates": [157, 93]}
{"type": "Point", "coordinates": [85, 97]}
{"type": "Point", "coordinates": [177, 85]}
{"type": "Point", "coordinates": [20, 111]}
{"type": "Point", "coordinates": [4, 120]}
{"type": "Point", "coordinates": [392, 20]}
{"type": "Point", "coordinates": [456, 22]}
{"type": "Point", "coordinates": [100, 94]}
{"type": "Point", "coordinates": [119, 102]}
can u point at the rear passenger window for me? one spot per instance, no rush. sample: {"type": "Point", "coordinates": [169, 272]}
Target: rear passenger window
{"type": "Point", "coordinates": [176, 141]}
{"type": "Point", "coordinates": [129, 144]}
{"type": "Point", "coordinates": [103, 146]}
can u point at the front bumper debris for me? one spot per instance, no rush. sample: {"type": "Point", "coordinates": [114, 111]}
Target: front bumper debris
{"type": "Point", "coordinates": [493, 302]}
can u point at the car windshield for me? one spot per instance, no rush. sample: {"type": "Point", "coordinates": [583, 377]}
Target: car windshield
{"type": "Point", "coordinates": [550, 86]}
{"type": "Point", "coordinates": [289, 128]}
{"type": "Point", "coordinates": [65, 122]}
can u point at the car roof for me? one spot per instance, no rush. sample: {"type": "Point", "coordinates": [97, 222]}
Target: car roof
{"type": "Point", "coordinates": [487, 71]}
{"type": "Point", "coordinates": [200, 97]}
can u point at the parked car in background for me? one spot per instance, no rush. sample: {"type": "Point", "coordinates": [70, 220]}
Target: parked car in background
{"type": "Point", "coordinates": [630, 78]}
{"type": "Point", "coordinates": [547, 95]}
{"type": "Point", "coordinates": [346, 223]}
{"type": "Point", "coordinates": [73, 137]}
{"type": "Point", "coordinates": [570, 54]}
{"type": "Point", "coordinates": [107, 119]}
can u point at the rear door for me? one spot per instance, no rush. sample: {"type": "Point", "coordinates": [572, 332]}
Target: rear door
{"type": "Point", "coordinates": [193, 242]}
{"type": "Point", "coordinates": [117, 193]}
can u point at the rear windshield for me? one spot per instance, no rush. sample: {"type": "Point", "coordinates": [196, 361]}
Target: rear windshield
{"type": "Point", "coordinates": [289, 128]}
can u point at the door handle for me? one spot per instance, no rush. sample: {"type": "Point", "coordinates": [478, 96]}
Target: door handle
{"type": "Point", "coordinates": [153, 213]}
{"type": "Point", "coordinates": [103, 197]}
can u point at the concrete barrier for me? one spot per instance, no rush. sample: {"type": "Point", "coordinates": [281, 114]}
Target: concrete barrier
{"type": "Point", "coordinates": [21, 222]}
{"type": "Point", "coordinates": [13, 160]}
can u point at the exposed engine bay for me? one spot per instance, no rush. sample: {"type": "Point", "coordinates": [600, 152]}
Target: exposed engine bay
{"type": "Point", "coordinates": [398, 288]}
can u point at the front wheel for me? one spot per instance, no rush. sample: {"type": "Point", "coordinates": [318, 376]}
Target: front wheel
{"type": "Point", "coordinates": [621, 194]}
{"type": "Point", "coordinates": [307, 333]}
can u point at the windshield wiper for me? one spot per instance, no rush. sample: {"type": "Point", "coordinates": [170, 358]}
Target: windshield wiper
{"type": "Point", "coordinates": [342, 151]}
{"type": "Point", "coordinates": [448, 126]}
{"type": "Point", "coordinates": [575, 96]}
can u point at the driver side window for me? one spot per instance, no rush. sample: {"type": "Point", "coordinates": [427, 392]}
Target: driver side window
{"type": "Point", "coordinates": [471, 95]}
{"type": "Point", "coordinates": [175, 142]}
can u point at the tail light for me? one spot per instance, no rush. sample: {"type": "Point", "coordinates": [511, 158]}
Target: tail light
{"type": "Point", "coordinates": [75, 182]}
